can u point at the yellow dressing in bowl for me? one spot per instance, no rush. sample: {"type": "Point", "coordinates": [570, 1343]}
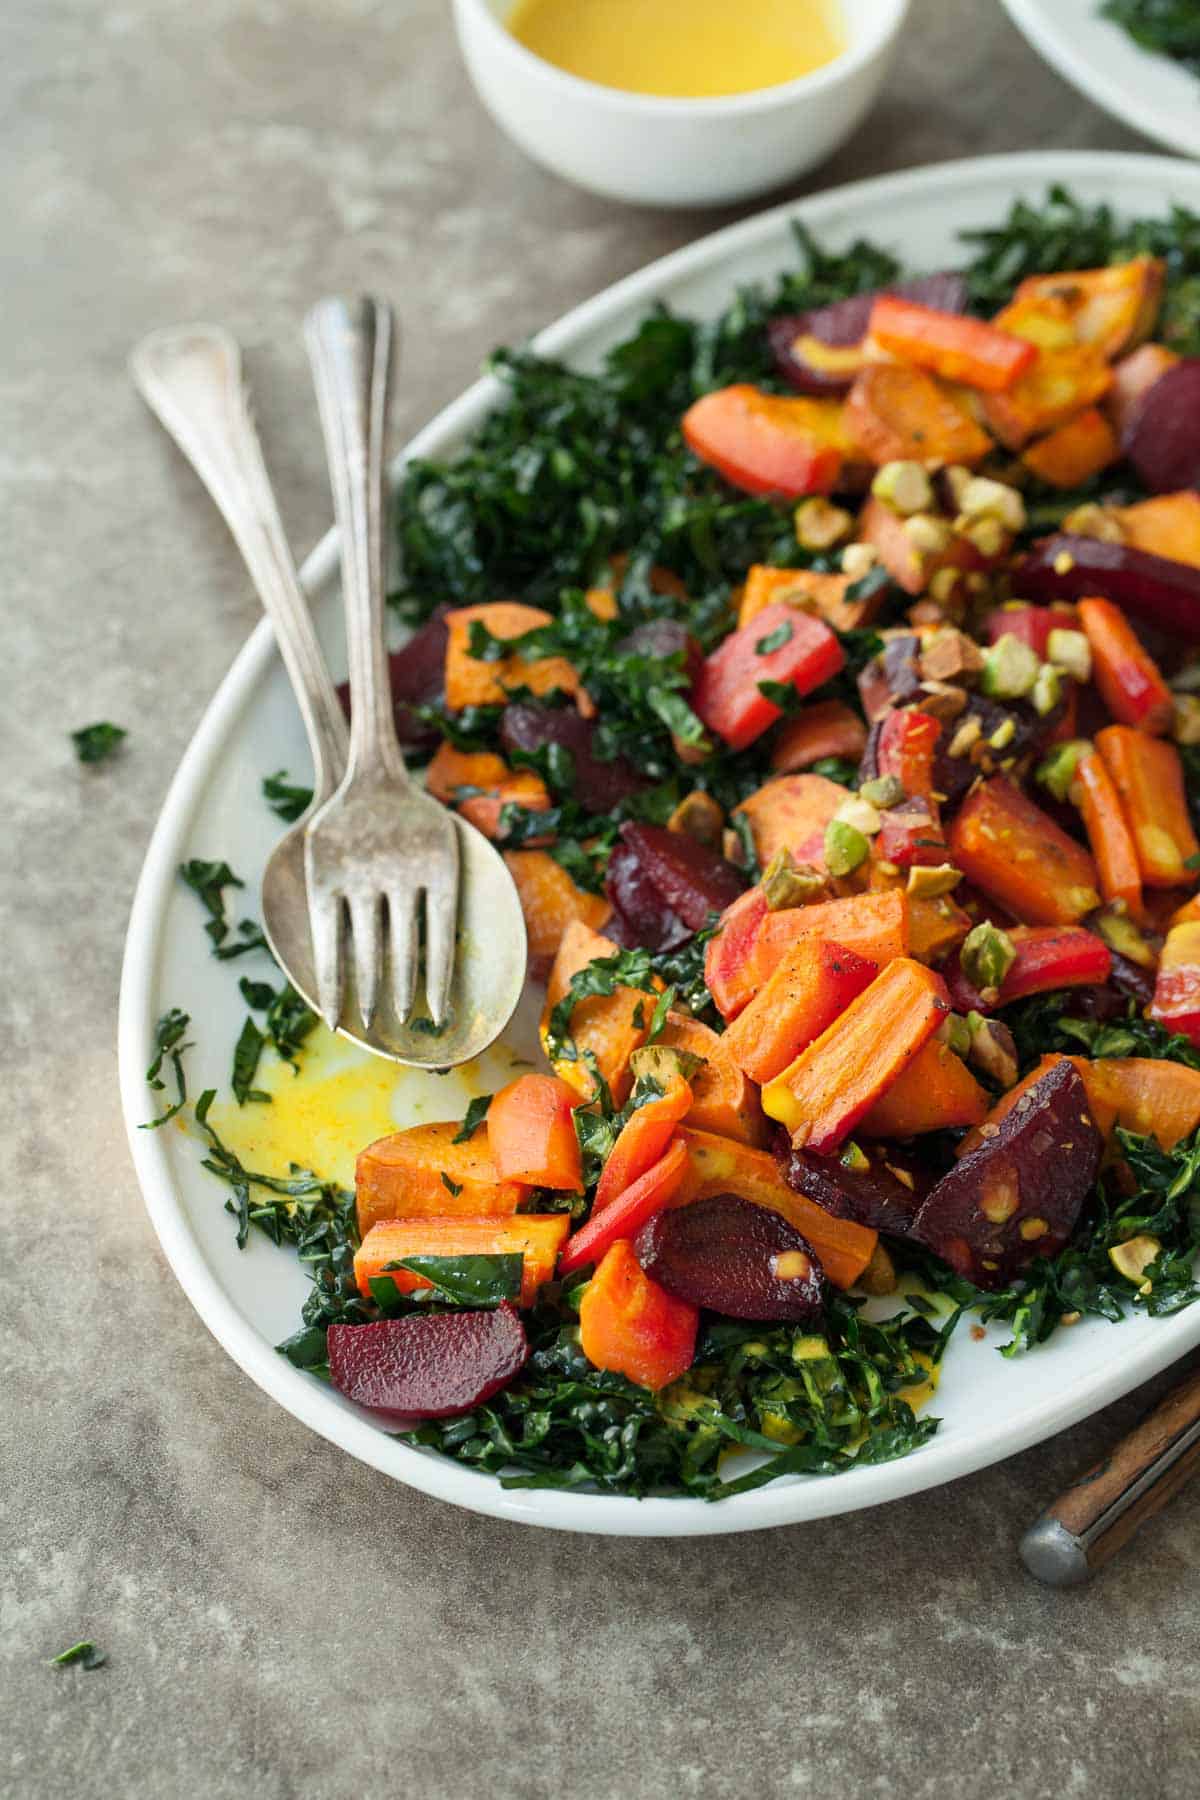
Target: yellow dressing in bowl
{"type": "Point", "coordinates": [698, 51]}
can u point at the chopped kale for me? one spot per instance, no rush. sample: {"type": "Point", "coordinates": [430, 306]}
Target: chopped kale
{"type": "Point", "coordinates": [168, 1042]}
{"type": "Point", "coordinates": [96, 743]}
{"type": "Point", "coordinates": [286, 801]}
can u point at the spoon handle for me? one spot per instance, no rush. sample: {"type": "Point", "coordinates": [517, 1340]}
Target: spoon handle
{"type": "Point", "coordinates": [191, 378]}
{"type": "Point", "coordinates": [351, 350]}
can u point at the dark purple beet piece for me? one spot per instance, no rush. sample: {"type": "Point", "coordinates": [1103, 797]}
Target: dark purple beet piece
{"type": "Point", "coordinates": [599, 786]}
{"type": "Point", "coordinates": [733, 1257]}
{"type": "Point", "coordinates": [665, 637]}
{"type": "Point", "coordinates": [892, 678]}
{"type": "Point", "coordinates": [1019, 1195]}
{"type": "Point", "coordinates": [953, 775]}
{"type": "Point", "coordinates": [428, 1365]}
{"type": "Point", "coordinates": [641, 917]}
{"type": "Point", "coordinates": [417, 672]}
{"type": "Point", "coordinates": [879, 1196]}
{"type": "Point", "coordinates": [1069, 567]}
{"type": "Point", "coordinates": [843, 325]}
{"type": "Point", "coordinates": [1162, 438]}
{"type": "Point", "coordinates": [692, 879]}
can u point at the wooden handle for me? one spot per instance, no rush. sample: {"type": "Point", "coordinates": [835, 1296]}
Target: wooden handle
{"type": "Point", "coordinates": [1107, 1506]}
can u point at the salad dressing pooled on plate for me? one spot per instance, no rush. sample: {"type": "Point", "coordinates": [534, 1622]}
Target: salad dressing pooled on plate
{"type": "Point", "coordinates": [707, 49]}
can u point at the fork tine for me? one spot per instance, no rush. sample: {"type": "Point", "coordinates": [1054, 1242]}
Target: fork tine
{"type": "Point", "coordinates": [366, 934]}
{"type": "Point", "coordinates": [441, 921]}
{"type": "Point", "coordinates": [325, 925]}
{"type": "Point", "coordinates": [402, 923]}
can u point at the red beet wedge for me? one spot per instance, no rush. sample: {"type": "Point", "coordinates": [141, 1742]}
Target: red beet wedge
{"type": "Point", "coordinates": [734, 1258]}
{"type": "Point", "coordinates": [428, 1365]}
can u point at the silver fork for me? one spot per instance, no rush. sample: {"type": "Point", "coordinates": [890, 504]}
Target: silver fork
{"type": "Point", "coordinates": [379, 842]}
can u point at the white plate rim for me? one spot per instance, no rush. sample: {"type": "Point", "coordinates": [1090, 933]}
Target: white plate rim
{"type": "Point", "coordinates": [1129, 96]}
{"type": "Point", "coordinates": [308, 1400]}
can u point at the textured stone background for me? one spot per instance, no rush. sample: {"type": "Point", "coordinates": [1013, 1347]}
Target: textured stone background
{"type": "Point", "coordinates": [281, 1622]}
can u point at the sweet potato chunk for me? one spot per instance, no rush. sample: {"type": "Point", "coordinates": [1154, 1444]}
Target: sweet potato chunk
{"type": "Point", "coordinates": [423, 1171]}
{"type": "Point", "coordinates": [1019, 1195]}
{"type": "Point", "coordinates": [896, 413]}
{"type": "Point", "coordinates": [536, 1237]}
{"type": "Point", "coordinates": [550, 902]}
{"type": "Point", "coordinates": [470, 681]}
{"type": "Point", "coordinates": [1166, 525]}
{"type": "Point", "coordinates": [936, 1092]}
{"type": "Point", "coordinates": [723, 1099]}
{"type": "Point", "coordinates": [1060, 384]}
{"type": "Point", "coordinates": [611, 1026]}
{"type": "Point", "coordinates": [1076, 451]}
{"type": "Point", "coordinates": [809, 589]}
{"type": "Point", "coordinates": [455, 777]}
{"type": "Point", "coordinates": [1113, 308]}
{"type": "Point", "coordinates": [791, 813]}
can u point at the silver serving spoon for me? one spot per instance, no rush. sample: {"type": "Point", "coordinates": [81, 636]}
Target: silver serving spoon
{"type": "Point", "coordinates": [191, 378]}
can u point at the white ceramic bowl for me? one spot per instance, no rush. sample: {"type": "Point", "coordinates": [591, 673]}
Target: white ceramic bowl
{"type": "Point", "coordinates": [671, 152]}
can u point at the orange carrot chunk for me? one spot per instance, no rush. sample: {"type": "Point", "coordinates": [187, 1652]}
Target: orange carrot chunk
{"type": "Point", "coordinates": [949, 344]}
{"type": "Point", "coordinates": [531, 1133]}
{"type": "Point", "coordinates": [813, 984]}
{"type": "Point", "coordinates": [936, 1092]}
{"type": "Point", "coordinates": [625, 1215]}
{"type": "Point", "coordinates": [473, 681]}
{"type": "Point", "coordinates": [895, 413]}
{"type": "Point", "coordinates": [822, 1096]}
{"type": "Point", "coordinates": [768, 443]}
{"type": "Point", "coordinates": [724, 1099]}
{"type": "Point", "coordinates": [550, 901]}
{"type": "Point", "coordinates": [826, 728]}
{"type": "Point", "coordinates": [1076, 451]}
{"type": "Point", "coordinates": [537, 1237]}
{"type": "Point", "coordinates": [643, 1138]}
{"type": "Point", "coordinates": [1129, 680]}
{"type": "Point", "coordinates": [1108, 833]}
{"type": "Point", "coordinates": [1017, 855]}
{"type": "Point", "coordinates": [716, 1165]}
{"type": "Point", "coordinates": [632, 1327]}
{"type": "Point", "coordinates": [422, 1170]}
{"type": "Point", "coordinates": [1148, 775]}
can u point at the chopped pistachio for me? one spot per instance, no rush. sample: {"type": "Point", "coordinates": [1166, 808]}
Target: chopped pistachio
{"type": "Point", "coordinates": [943, 587]}
{"type": "Point", "coordinates": [987, 955]}
{"type": "Point", "coordinates": [1047, 690]}
{"type": "Point", "coordinates": [981, 498]}
{"type": "Point", "coordinates": [845, 848]}
{"type": "Point", "coordinates": [948, 654]}
{"type": "Point", "coordinates": [956, 480]}
{"type": "Point", "coordinates": [1063, 563]}
{"type": "Point", "coordinates": [700, 817]}
{"type": "Point", "coordinates": [904, 487]}
{"type": "Point", "coordinates": [786, 883]}
{"type": "Point", "coordinates": [1132, 1258]}
{"type": "Point", "coordinates": [992, 1050]}
{"type": "Point", "coordinates": [884, 790]}
{"type": "Point", "coordinates": [858, 811]}
{"type": "Point", "coordinates": [1095, 521]}
{"type": "Point", "coordinates": [662, 1061]}
{"type": "Point", "coordinates": [955, 1033]}
{"type": "Point", "coordinates": [820, 524]}
{"type": "Point", "coordinates": [942, 699]}
{"type": "Point", "coordinates": [858, 560]}
{"type": "Point", "coordinates": [928, 534]}
{"type": "Point", "coordinates": [1003, 735]}
{"type": "Point", "coordinates": [1057, 771]}
{"type": "Point", "coordinates": [967, 735]}
{"type": "Point", "coordinates": [1071, 651]}
{"type": "Point", "coordinates": [988, 535]}
{"type": "Point", "coordinates": [1185, 721]}
{"type": "Point", "coordinates": [929, 882]}
{"type": "Point", "coordinates": [853, 1158]}
{"type": "Point", "coordinates": [1010, 668]}
{"type": "Point", "coordinates": [1121, 934]}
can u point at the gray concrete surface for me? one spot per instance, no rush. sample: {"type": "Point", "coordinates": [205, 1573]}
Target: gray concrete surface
{"type": "Point", "coordinates": [280, 1622]}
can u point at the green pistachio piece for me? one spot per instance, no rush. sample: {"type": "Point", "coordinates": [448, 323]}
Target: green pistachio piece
{"type": "Point", "coordinates": [884, 791]}
{"type": "Point", "coordinates": [987, 955]}
{"type": "Point", "coordinates": [845, 847]}
{"type": "Point", "coordinates": [1010, 668]}
{"type": "Point", "coordinates": [1057, 771]}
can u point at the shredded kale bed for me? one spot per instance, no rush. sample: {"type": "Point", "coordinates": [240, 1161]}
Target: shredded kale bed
{"type": "Point", "coordinates": [572, 470]}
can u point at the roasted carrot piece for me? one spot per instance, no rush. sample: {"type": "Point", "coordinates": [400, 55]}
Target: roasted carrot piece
{"type": "Point", "coordinates": [791, 813]}
{"type": "Point", "coordinates": [632, 1327]}
{"type": "Point", "coordinates": [727, 952]}
{"type": "Point", "coordinates": [813, 984]}
{"type": "Point", "coordinates": [422, 1171]}
{"type": "Point", "coordinates": [1017, 855]}
{"type": "Point", "coordinates": [611, 1026]}
{"type": "Point", "coordinates": [724, 1100]}
{"type": "Point", "coordinates": [951, 345]}
{"type": "Point", "coordinates": [1129, 679]}
{"type": "Point", "coordinates": [1048, 957]}
{"type": "Point", "coordinates": [1165, 525]}
{"type": "Point", "coordinates": [625, 1215]}
{"type": "Point", "coordinates": [809, 589]}
{"type": "Point", "coordinates": [470, 681]}
{"type": "Point", "coordinates": [1148, 776]}
{"type": "Point", "coordinates": [538, 1237]}
{"type": "Point", "coordinates": [455, 778]}
{"type": "Point", "coordinates": [716, 1165]}
{"type": "Point", "coordinates": [643, 1139]}
{"type": "Point", "coordinates": [936, 1092]}
{"type": "Point", "coordinates": [822, 1096]}
{"type": "Point", "coordinates": [906, 745]}
{"type": "Point", "coordinates": [1077, 450]}
{"type": "Point", "coordinates": [1176, 1002]}
{"type": "Point", "coordinates": [895, 413]}
{"type": "Point", "coordinates": [1113, 308]}
{"type": "Point", "coordinates": [1151, 1095]}
{"type": "Point", "coordinates": [935, 925]}
{"type": "Point", "coordinates": [550, 900]}
{"type": "Point", "coordinates": [531, 1133]}
{"type": "Point", "coordinates": [1058, 384]}
{"type": "Point", "coordinates": [783, 646]}
{"type": "Point", "coordinates": [826, 728]}
{"type": "Point", "coordinates": [872, 925]}
{"type": "Point", "coordinates": [768, 443]}
{"type": "Point", "coordinates": [910, 567]}
{"type": "Point", "coordinates": [452, 769]}
{"type": "Point", "coordinates": [1183, 915]}
{"type": "Point", "coordinates": [1108, 833]}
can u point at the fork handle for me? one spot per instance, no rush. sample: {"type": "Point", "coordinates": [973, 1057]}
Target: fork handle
{"type": "Point", "coordinates": [350, 347]}
{"type": "Point", "coordinates": [191, 378]}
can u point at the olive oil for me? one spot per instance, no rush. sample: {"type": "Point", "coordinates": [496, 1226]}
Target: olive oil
{"type": "Point", "coordinates": [698, 50]}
